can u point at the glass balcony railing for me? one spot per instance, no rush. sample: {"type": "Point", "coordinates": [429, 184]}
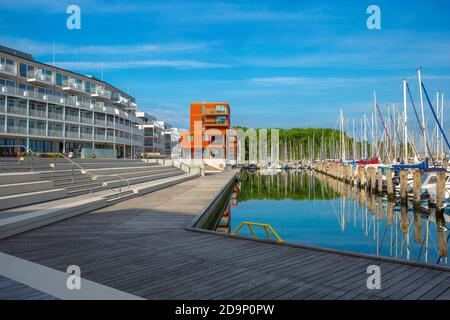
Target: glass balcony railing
{"type": "Point", "coordinates": [99, 122]}
{"type": "Point", "coordinates": [55, 115]}
{"type": "Point", "coordinates": [72, 85]}
{"type": "Point", "coordinates": [17, 129]}
{"type": "Point", "coordinates": [39, 75]}
{"type": "Point", "coordinates": [38, 113]}
{"type": "Point", "coordinates": [86, 135]}
{"type": "Point", "coordinates": [38, 131]}
{"type": "Point", "coordinates": [72, 118]}
{"type": "Point", "coordinates": [101, 93]}
{"type": "Point", "coordinates": [86, 120]}
{"type": "Point", "coordinates": [72, 134]}
{"type": "Point", "coordinates": [56, 133]}
{"type": "Point", "coordinates": [100, 137]}
{"type": "Point", "coordinates": [8, 68]}
{"type": "Point", "coordinates": [17, 110]}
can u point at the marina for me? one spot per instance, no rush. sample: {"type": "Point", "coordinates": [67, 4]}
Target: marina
{"type": "Point", "coordinates": [150, 242]}
{"type": "Point", "coordinates": [311, 208]}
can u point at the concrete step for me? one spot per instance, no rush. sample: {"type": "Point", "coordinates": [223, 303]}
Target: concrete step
{"type": "Point", "coordinates": [19, 177]}
{"type": "Point", "coordinates": [23, 199]}
{"type": "Point", "coordinates": [25, 187]}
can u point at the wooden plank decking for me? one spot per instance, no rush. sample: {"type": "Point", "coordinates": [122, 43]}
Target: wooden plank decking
{"type": "Point", "coordinates": [141, 247]}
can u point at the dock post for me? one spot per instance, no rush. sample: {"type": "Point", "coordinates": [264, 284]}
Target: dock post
{"type": "Point", "coordinates": [440, 190]}
{"type": "Point", "coordinates": [404, 186]}
{"type": "Point", "coordinates": [380, 181]}
{"type": "Point", "coordinates": [445, 162]}
{"type": "Point", "coordinates": [416, 188]}
{"type": "Point", "coordinates": [362, 177]}
{"type": "Point", "coordinates": [390, 185]}
{"type": "Point", "coordinates": [352, 174]}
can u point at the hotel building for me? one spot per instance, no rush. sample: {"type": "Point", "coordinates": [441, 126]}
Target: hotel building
{"type": "Point", "coordinates": [49, 109]}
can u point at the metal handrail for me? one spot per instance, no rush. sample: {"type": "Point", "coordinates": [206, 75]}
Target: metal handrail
{"type": "Point", "coordinates": [74, 164]}
{"type": "Point", "coordinates": [267, 228]}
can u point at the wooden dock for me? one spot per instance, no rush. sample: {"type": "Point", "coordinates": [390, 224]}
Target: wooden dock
{"type": "Point", "coordinates": [142, 247]}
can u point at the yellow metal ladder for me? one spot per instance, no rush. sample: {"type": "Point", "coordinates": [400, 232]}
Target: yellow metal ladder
{"type": "Point", "coordinates": [267, 228]}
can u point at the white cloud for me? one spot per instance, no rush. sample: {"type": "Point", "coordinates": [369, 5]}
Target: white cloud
{"type": "Point", "coordinates": [134, 64]}
{"type": "Point", "coordinates": [42, 48]}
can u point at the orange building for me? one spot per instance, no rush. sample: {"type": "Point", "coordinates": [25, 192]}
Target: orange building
{"type": "Point", "coordinates": [209, 137]}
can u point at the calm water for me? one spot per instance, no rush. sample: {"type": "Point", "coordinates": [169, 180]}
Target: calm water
{"type": "Point", "coordinates": [310, 208]}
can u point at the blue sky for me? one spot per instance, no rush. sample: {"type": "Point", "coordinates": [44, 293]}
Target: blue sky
{"type": "Point", "coordinates": [278, 63]}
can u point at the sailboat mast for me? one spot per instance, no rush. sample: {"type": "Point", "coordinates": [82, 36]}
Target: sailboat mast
{"type": "Point", "coordinates": [376, 123]}
{"type": "Point", "coordinates": [424, 129]}
{"type": "Point", "coordinates": [405, 125]}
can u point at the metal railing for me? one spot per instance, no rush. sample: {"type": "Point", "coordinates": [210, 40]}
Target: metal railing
{"type": "Point", "coordinates": [74, 164]}
{"type": "Point", "coordinates": [8, 68]}
{"type": "Point", "coordinates": [265, 226]}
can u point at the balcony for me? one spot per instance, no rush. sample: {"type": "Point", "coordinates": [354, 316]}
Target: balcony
{"type": "Point", "coordinates": [216, 123]}
{"type": "Point", "coordinates": [73, 101]}
{"type": "Point", "coordinates": [17, 130]}
{"type": "Point", "coordinates": [86, 120]}
{"type": "Point", "coordinates": [98, 107]}
{"type": "Point", "coordinates": [86, 135]}
{"type": "Point", "coordinates": [100, 137]}
{"type": "Point", "coordinates": [55, 115]}
{"type": "Point", "coordinates": [17, 110]}
{"type": "Point", "coordinates": [110, 138]}
{"type": "Point", "coordinates": [99, 122]}
{"type": "Point", "coordinates": [9, 69]}
{"type": "Point", "coordinates": [72, 134]}
{"type": "Point", "coordinates": [56, 133]}
{"type": "Point", "coordinates": [101, 93]}
{"type": "Point", "coordinates": [38, 76]}
{"type": "Point", "coordinates": [110, 124]}
{"type": "Point", "coordinates": [72, 86]}
{"type": "Point", "coordinates": [216, 112]}
{"type": "Point", "coordinates": [8, 90]}
{"type": "Point", "coordinates": [38, 113]}
{"type": "Point", "coordinates": [122, 102]}
{"type": "Point", "coordinates": [72, 118]}
{"type": "Point", "coordinates": [38, 132]}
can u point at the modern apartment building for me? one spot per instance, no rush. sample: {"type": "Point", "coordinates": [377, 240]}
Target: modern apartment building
{"type": "Point", "coordinates": [49, 109]}
{"type": "Point", "coordinates": [212, 119]}
{"type": "Point", "coordinates": [157, 136]}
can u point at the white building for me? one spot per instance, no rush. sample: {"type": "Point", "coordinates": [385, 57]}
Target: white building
{"type": "Point", "coordinates": [49, 109]}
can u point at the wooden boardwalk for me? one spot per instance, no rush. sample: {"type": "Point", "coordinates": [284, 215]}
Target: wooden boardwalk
{"type": "Point", "coordinates": [142, 247]}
